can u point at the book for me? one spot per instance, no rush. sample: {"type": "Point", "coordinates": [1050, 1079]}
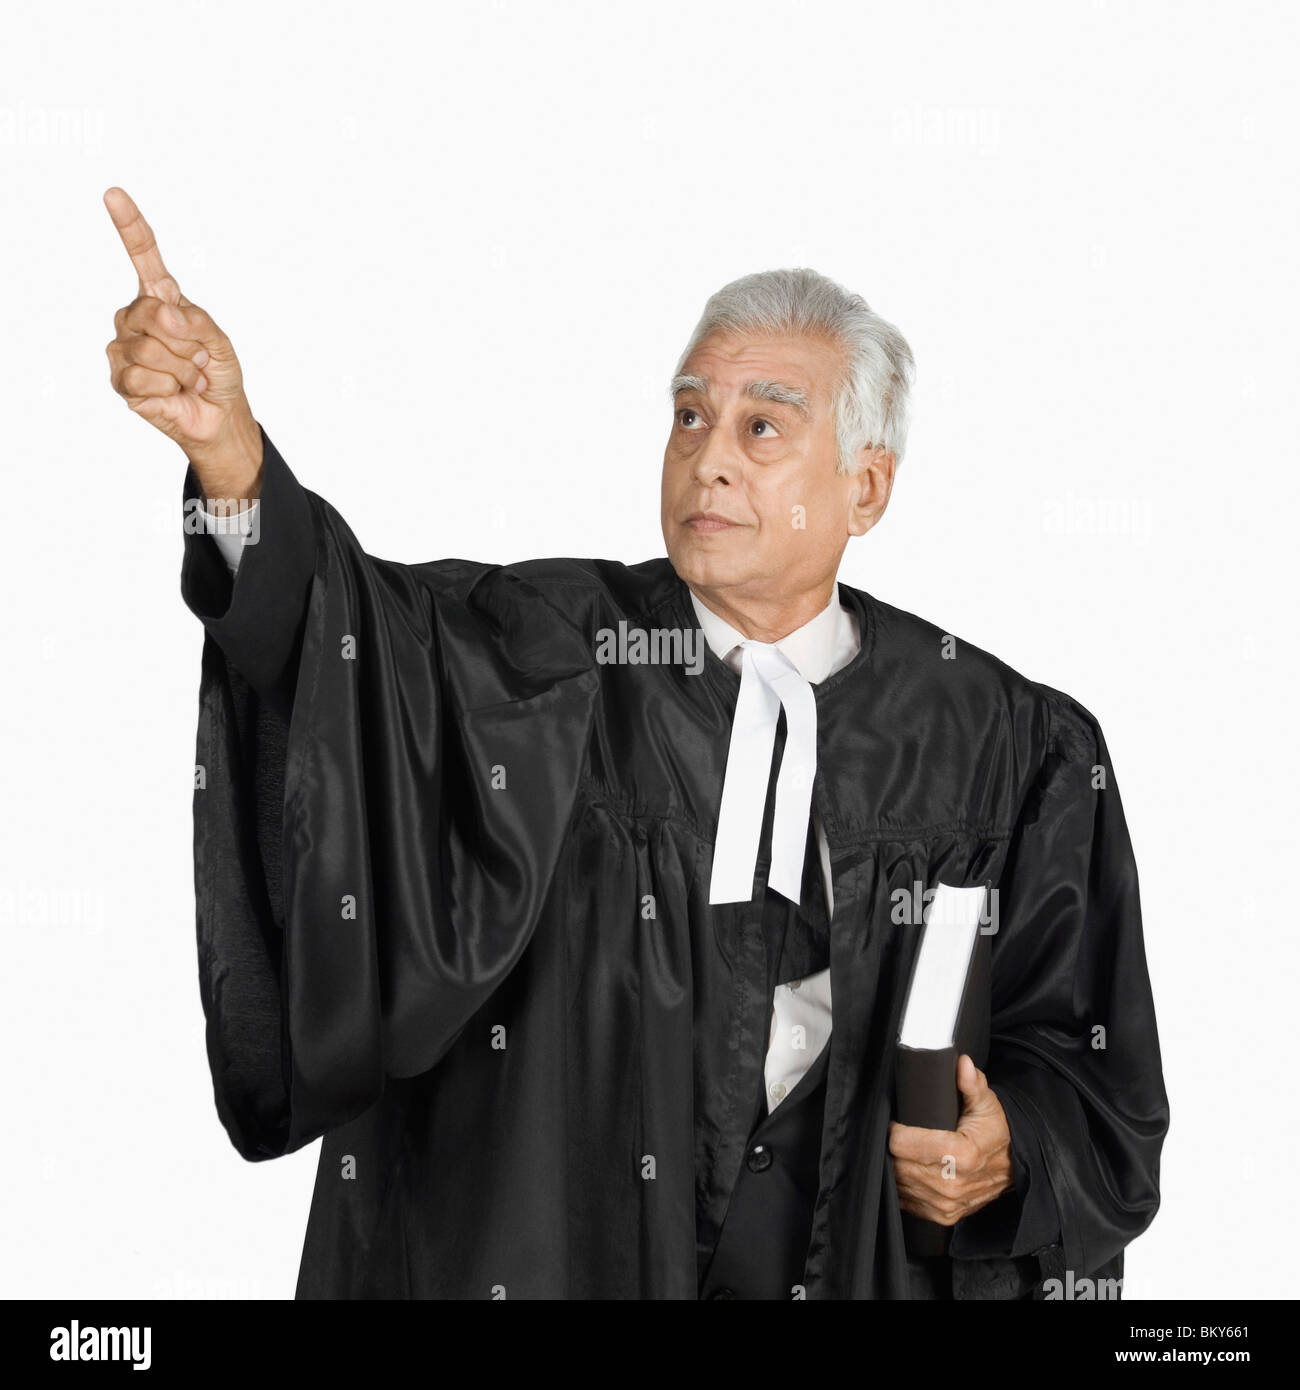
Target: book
{"type": "Point", "coordinates": [946, 1013]}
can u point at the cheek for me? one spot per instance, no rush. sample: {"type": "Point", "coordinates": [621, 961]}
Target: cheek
{"type": "Point", "coordinates": [670, 489]}
{"type": "Point", "coordinates": [788, 510]}
{"type": "Point", "coordinates": [676, 465]}
{"type": "Point", "coordinates": [798, 522]}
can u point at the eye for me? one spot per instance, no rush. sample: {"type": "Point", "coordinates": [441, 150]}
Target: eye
{"type": "Point", "coordinates": [686, 418]}
{"type": "Point", "coordinates": [770, 431]}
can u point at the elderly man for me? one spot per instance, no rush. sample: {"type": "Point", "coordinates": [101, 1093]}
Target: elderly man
{"type": "Point", "coordinates": [585, 948]}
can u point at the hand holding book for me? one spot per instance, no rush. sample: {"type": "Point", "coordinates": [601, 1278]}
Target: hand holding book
{"type": "Point", "coordinates": [945, 1175]}
{"type": "Point", "coordinates": [950, 1143]}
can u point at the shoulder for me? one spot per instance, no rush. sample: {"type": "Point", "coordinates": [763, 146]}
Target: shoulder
{"type": "Point", "coordinates": [950, 678]}
{"type": "Point", "coordinates": [941, 664]}
{"type": "Point", "coordinates": [584, 589]}
{"type": "Point", "coordinates": [596, 576]}
{"type": "Point", "coordinates": [562, 580]}
{"type": "Point", "coordinates": [537, 609]}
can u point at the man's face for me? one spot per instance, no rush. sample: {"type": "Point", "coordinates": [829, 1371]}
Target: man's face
{"type": "Point", "coordinates": [752, 506]}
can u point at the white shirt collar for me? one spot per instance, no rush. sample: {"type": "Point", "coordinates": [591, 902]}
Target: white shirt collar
{"type": "Point", "coordinates": [823, 645]}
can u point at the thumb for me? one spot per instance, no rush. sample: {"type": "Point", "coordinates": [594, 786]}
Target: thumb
{"type": "Point", "coordinates": [193, 328]}
{"type": "Point", "coordinates": [973, 1085]}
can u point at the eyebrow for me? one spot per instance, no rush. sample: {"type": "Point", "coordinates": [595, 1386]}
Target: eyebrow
{"type": "Point", "coordinates": [779, 392]}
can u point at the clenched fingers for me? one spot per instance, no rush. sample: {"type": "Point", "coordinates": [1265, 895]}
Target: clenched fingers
{"type": "Point", "coordinates": [941, 1181]}
{"type": "Point", "coordinates": [183, 329]}
{"type": "Point", "coordinates": [143, 366]}
{"type": "Point", "coordinates": [945, 1203]}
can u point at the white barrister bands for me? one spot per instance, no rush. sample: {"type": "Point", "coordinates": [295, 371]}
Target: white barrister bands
{"type": "Point", "coordinates": [769, 683]}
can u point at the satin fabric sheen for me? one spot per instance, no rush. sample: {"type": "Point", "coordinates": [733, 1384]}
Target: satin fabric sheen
{"type": "Point", "coordinates": [541, 1091]}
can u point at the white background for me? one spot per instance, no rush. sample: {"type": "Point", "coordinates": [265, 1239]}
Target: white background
{"type": "Point", "coordinates": [458, 249]}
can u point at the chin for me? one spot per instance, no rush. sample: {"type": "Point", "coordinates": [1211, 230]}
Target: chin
{"type": "Point", "coordinates": [704, 568]}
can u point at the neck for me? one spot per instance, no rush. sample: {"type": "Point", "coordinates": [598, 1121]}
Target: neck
{"type": "Point", "coordinates": [767, 620]}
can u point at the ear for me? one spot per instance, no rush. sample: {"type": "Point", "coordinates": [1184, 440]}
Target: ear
{"type": "Point", "coordinates": [872, 484]}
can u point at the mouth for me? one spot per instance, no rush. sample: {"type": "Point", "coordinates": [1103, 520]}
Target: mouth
{"type": "Point", "coordinates": [709, 521]}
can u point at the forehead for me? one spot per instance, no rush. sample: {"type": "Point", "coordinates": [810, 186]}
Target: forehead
{"type": "Point", "coordinates": [728, 361]}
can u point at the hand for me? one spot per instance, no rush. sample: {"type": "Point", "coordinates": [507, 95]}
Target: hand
{"type": "Point", "coordinates": [943, 1175]}
{"type": "Point", "coordinates": [177, 369]}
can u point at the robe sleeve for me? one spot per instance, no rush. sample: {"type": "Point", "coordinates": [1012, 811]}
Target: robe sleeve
{"type": "Point", "coordinates": [1074, 1053]}
{"type": "Point", "coordinates": [387, 762]}
{"type": "Point", "coordinates": [1024, 1220]}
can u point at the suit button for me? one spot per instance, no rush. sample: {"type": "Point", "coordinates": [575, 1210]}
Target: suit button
{"type": "Point", "coordinates": [759, 1159]}
{"type": "Point", "coordinates": [723, 1293]}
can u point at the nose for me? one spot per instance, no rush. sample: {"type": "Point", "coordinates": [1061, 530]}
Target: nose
{"type": "Point", "coordinates": [714, 463]}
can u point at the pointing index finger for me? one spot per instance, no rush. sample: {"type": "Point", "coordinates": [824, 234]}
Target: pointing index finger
{"type": "Point", "coordinates": [138, 238]}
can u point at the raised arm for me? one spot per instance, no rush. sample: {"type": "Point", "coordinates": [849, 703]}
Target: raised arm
{"type": "Point", "coordinates": [361, 887]}
{"type": "Point", "coordinates": [175, 368]}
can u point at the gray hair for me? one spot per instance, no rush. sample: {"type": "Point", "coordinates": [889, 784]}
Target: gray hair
{"type": "Point", "coordinates": [871, 399]}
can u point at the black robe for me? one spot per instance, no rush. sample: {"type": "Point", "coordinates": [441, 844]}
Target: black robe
{"type": "Point", "coordinates": [430, 829]}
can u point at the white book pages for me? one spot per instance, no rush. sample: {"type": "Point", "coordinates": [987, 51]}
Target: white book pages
{"type": "Point", "coordinates": [952, 924]}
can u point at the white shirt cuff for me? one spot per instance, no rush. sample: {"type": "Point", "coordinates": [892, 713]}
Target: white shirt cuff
{"type": "Point", "coordinates": [232, 532]}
